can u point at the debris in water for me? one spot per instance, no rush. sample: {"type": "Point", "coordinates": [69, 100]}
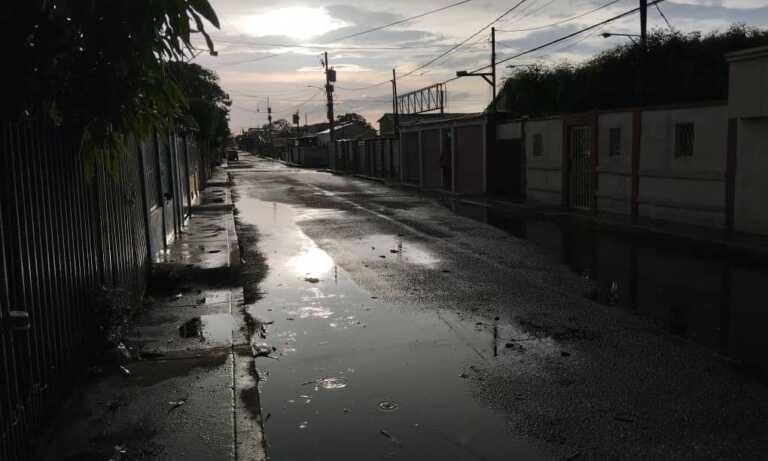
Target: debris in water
{"type": "Point", "coordinates": [565, 354]}
{"type": "Point", "coordinates": [312, 279]}
{"type": "Point", "coordinates": [266, 418]}
{"type": "Point", "coordinates": [126, 372]}
{"type": "Point", "coordinates": [382, 256]}
{"type": "Point", "coordinates": [388, 406]}
{"type": "Point", "coordinates": [118, 454]}
{"type": "Point", "coordinates": [176, 404]}
{"type": "Point", "coordinates": [463, 375]}
{"type": "Point", "coordinates": [394, 251]}
{"type": "Point", "coordinates": [303, 424]}
{"type": "Point", "coordinates": [124, 352]}
{"type": "Point", "coordinates": [177, 296]}
{"type": "Point", "coordinates": [391, 437]}
{"type": "Point", "coordinates": [261, 350]}
{"type": "Point", "coordinates": [624, 419]}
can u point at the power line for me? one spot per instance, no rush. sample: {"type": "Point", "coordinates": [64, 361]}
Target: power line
{"type": "Point", "coordinates": [658, 8]}
{"type": "Point", "coordinates": [573, 34]}
{"type": "Point", "coordinates": [562, 21]}
{"type": "Point", "coordinates": [367, 31]}
{"type": "Point", "coordinates": [446, 52]}
{"type": "Point", "coordinates": [458, 45]}
{"type": "Point", "coordinates": [325, 47]}
{"type": "Point", "coordinates": [401, 21]}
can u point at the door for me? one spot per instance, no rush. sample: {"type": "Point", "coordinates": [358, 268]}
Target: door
{"type": "Point", "coordinates": [581, 193]}
{"type": "Point", "coordinates": [505, 168]}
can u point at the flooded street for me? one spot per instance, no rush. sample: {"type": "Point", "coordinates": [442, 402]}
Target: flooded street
{"type": "Point", "coordinates": [381, 325]}
{"type": "Point", "coordinates": [352, 374]}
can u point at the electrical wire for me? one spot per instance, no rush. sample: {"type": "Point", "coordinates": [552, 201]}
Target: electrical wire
{"type": "Point", "coordinates": [562, 21]}
{"type": "Point", "coordinates": [401, 21]}
{"type": "Point", "coordinates": [568, 36]}
{"type": "Point", "coordinates": [458, 45]}
{"type": "Point", "coordinates": [658, 8]}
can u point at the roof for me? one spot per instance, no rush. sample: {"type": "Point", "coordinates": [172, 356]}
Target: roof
{"type": "Point", "coordinates": [444, 118]}
{"type": "Point", "coordinates": [749, 53]}
{"type": "Point", "coordinates": [410, 117]}
{"type": "Point", "coordinates": [337, 127]}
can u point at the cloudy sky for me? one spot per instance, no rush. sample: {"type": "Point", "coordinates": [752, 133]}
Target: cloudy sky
{"type": "Point", "coordinates": [273, 48]}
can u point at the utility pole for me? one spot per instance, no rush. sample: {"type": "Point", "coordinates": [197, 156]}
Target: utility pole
{"type": "Point", "coordinates": [330, 76]}
{"type": "Point", "coordinates": [643, 50]}
{"type": "Point", "coordinates": [395, 110]}
{"type": "Point", "coordinates": [493, 67]}
{"type": "Point", "coordinates": [489, 77]}
{"type": "Point", "coordinates": [269, 121]}
{"type": "Point", "coordinates": [643, 24]}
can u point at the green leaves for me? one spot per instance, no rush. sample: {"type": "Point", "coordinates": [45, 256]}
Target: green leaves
{"type": "Point", "coordinates": [99, 68]}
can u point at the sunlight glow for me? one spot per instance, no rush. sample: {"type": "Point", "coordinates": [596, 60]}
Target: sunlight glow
{"type": "Point", "coordinates": [299, 22]}
{"type": "Point", "coordinates": [314, 262]}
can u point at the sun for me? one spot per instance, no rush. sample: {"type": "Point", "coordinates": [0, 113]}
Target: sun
{"type": "Point", "coordinates": [299, 22]}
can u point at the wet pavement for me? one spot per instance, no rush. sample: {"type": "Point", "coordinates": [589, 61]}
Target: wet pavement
{"type": "Point", "coordinates": [400, 330]}
{"type": "Point", "coordinates": [309, 316]}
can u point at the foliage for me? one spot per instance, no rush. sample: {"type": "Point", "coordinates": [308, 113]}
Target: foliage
{"type": "Point", "coordinates": [354, 118]}
{"type": "Point", "coordinates": [206, 103]}
{"type": "Point", "coordinates": [678, 69]}
{"type": "Point", "coordinates": [98, 68]}
{"type": "Point", "coordinates": [279, 126]}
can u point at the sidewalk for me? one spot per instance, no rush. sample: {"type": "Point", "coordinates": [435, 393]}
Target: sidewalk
{"type": "Point", "coordinates": [177, 393]}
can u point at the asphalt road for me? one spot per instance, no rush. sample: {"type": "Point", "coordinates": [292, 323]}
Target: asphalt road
{"type": "Point", "coordinates": [392, 328]}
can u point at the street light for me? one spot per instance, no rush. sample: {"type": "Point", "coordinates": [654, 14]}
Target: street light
{"type": "Point", "coordinates": [631, 36]}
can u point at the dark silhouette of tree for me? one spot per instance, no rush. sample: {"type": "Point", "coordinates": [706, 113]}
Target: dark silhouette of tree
{"type": "Point", "coordinates": [206, 102]}
{"type": "Point", "coordinates": [99, 68]}
{"type": "Point", "coordinates": [678, 69]}
{"type": "Point", "coordinates": [353, 118]}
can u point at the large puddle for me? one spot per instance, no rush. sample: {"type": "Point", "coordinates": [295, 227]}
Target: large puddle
{"type": "Point", "coordinates": [353, 377]}
{"type": "Point", "coordinates": [709, 298]}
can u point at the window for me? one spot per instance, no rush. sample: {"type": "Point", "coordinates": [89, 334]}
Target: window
{"type": "Point", "coordinates": [538, 145]}
{"type": "Point", "coordinates": [684, 135]}
{"type": "Point", "coordinates": [614, 142]}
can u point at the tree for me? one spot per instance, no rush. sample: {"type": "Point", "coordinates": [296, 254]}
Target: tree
{"type": "Point", "coordinates": [99, 68]}
{"type": "Point", "coordinates": [352, 117]}
{"type": "Point", "coordinates": [206, 102]}
{"type": "Point", "coordinates": [680, 68]}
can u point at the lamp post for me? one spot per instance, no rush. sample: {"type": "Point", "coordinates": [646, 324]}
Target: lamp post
{"type": "Point", "coordinates": [630, 36]}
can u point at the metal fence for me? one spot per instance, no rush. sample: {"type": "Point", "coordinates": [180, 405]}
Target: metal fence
{"type": "Point", "coordinates": [376, 157]}
{"type": "Point", "coordinates": [70, 227]}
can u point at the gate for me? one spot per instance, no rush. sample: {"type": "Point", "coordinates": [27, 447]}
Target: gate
{"type": "Point", "coordinates": [581, 178]}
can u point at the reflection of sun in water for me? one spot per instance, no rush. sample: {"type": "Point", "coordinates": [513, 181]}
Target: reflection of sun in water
{"type": "Point", "coordinates": [314, 262]}
{"type": "Point", "coordinates": [299, 22]}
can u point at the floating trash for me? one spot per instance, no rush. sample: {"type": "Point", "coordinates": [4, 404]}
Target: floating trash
{"type": "Point", "coordinates": [388, 406]}
{"type": "Point", "coordinates": [330, 383]}
{"type": "Point", "coordinates": [261, 350]}
{"type": "Point", "coordinates": [303, 424]}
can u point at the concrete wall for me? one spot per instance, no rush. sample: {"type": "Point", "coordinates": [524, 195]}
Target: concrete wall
{"type": "Point", "coordinates": [544, 172]}
{"type": "Point", "coordinates": [748, 83]}
{"type": "Point", "coordinates": [431, 171]}
{"type": "Point", "coordinates": [469, 162]}
{"type": "Point", "coordinates": [614, 184]}
{"type": "Point", "coordinates": [751, 211]}
{"type": "Point", "coordinates": [684, 189]}
{"type": "Point", "coordinates": [410, 157]}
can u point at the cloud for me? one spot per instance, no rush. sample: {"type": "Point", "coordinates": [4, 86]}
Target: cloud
{"type": "Point", "coordinates": [418, 41]}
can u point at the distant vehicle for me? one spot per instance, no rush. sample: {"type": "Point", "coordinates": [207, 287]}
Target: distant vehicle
{"type": "Point", "coordinates": [232, 154]}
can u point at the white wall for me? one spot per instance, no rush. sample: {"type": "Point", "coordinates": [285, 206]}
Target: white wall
{"type": "Point", "coordinates": [685, 189]}
{"type": "Point", "coordinates": [509, 130]}
{"type": "Point", "coordinates": [614, 192]}
{"type": "Point", "coordinates": [751, 211]}
{"type": "Point", "coordinates": [544, 173]}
